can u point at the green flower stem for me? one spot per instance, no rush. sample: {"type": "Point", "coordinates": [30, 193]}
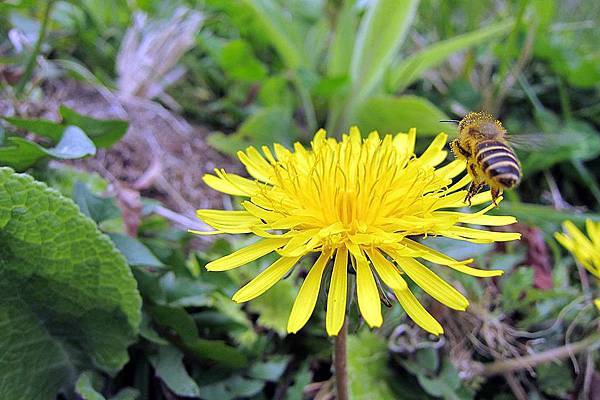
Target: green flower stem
{"type": "Point", "coordinates": [340, 361]}
{"type": "Point", "coordinates": [36, 50]}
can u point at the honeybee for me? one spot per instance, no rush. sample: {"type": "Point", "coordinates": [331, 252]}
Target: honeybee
{"type": "Point", "coordinates": [482, 141]}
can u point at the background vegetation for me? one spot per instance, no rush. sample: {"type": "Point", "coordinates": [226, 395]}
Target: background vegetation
{"type": "Point", "coordinates": [115, 109]}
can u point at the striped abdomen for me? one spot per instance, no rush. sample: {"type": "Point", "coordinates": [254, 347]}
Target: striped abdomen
{"type": "Point", "coordinates": [499, 163]}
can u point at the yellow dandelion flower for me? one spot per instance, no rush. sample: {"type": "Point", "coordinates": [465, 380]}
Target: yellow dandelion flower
{"type": "Point", "coordinates": [360, 202]}
{"type": "Point", "coordinates": [585, 251]}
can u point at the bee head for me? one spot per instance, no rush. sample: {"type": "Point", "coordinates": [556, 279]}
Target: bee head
{"type": "Point", "coordinates": [481, 124]}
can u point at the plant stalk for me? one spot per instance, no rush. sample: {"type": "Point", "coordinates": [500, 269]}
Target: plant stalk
{"type": "Point", "coordinates": [518, 363]}
{"type": "Point", "coordinates": [340, 361]}
{"type": "Point", "coordinates": [36, 50]}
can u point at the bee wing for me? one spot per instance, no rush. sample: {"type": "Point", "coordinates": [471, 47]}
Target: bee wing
{"type": "Point", "coordinates": [536, 141]}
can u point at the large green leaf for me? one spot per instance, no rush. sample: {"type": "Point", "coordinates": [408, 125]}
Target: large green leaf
{"type": "Point", "coordinates": [379, 38]}
{"type": "Point", "coordinates": [368, 373]}
{"type": "Point", "coordinates": [388, 114]}
{"type": "Point", "coordinates": [413, 67]}
{"type": "Point", "coordinates": [69, 300]}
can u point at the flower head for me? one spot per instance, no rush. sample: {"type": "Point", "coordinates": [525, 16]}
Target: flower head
{"type": "Point", "coordinates": [359, 205]}
{"type": "Point", "coordinates": [585, 250]}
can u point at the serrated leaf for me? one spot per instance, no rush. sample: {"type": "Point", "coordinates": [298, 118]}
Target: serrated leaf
{"type": "Point", "coordinates": [69, 300]}
{"type": "Point", "coordinates": [169, 367]}
{"type": "Point", "coordinates": [367, 367]}
{"type": "Point", "coordinates": [389, 114]}
{"type": "Point", "coordinates": [103, 132]}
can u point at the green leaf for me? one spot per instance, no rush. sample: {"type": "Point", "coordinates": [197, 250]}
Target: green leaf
{"type": "Point", "coordinates": [177, 319]}
{"type": "Point", "coordinates": [268, 125]}
{"type": "Point", "coordinates": [20, 153]}
{"type": "Point", "coordinates": [73, 144]}
{"type": "Point", "coordinates": [380, 35]}
{"type": "Point", "coordinates": [388, 114]}
{"type": "Point", "coordinates": [446, 385]}
{"type": "Point", "coordinates": [543, 216]}
{"type": "Point", "coordinates": [231, 388]}
{"type": "Point", "coordinates": [24, 153]}
{"type": "Point", "coordinates": [169, 367]}
{"type": "Point", "coordinates": [127, 394]}
{"type": "Point", "coordinates": [414, 66]}
{"type": "Point", "coordinates": [274, 307]}
{"type": "Point", "coordinates": [275, 91]}
{"type": "Point", "coordinates": [87, 386]}
{"type": "Point", "coordinates": [96, 207]}
{"type": "Point", "coordinates": [46, 128]}
{"type": "Point", "coordinates": [103, 132]}
{"type": "Point", "coordinates": [64, 178]}
{"type": "Point", "coordinates": [342, 45]}
{"type": "Point", "coordinates": [576, 140]}
{"type": "Point", "coordinates": [368, 373]}
{"type": "Point", "coordinates": [69, 300]}
{"type": "Point", "coordinates": [239, 62]}
{"type": "Point", "coordinates": [135, 251]}
{"type": "Point", "coordinates": [513, 286]}
{"type": "Point", "coordinates": [280, 31]}
{"type": "Point", "coordinates": [271, 370]}
{"type": "Point", "coordinates": [553, 380]}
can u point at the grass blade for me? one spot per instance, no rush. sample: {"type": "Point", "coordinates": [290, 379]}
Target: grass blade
{"type": "Point", "coordinates": [413, 67]}
{"type": "Point", "coordinates": [279, 30]}
{"type": "Point", "coordinates": [381, 33]}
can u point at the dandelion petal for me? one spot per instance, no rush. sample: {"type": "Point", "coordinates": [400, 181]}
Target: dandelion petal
{"type": "Point", "coordinates": [265, 280]}
{"type": "Point", "coordinates": [417, 312]}
{"type": "Point", "coordinates": [368, 295]}
{"type": "Point", "coordinates": [336, 299]}
{"type": "Point", "coordinates": [245, 255]}
{"type": "Point", "coordinates": [435, 286]}
{"type": "Point", "coordinates": [307, 296]}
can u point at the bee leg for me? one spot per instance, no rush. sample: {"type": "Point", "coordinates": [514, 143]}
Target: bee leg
{"type": "Point", "coordinates": [495, 194]}
{"type": "Point", "coordinates": [474, 188]}
{"type": "Point", "coordinates": [458, 149]}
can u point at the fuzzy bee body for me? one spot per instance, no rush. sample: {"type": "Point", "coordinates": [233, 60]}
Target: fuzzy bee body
{"type": "Point", "coordinates": [499, 163]}
{"type": "Point", "coordinates": [482, 142]}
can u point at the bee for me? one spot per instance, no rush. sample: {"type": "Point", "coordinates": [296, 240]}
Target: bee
{"type": "Point", "coordinates": [483, 142]}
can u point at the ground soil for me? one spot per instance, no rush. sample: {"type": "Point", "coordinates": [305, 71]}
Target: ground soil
{"type": "Point", "coordinates": [161, 156]}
